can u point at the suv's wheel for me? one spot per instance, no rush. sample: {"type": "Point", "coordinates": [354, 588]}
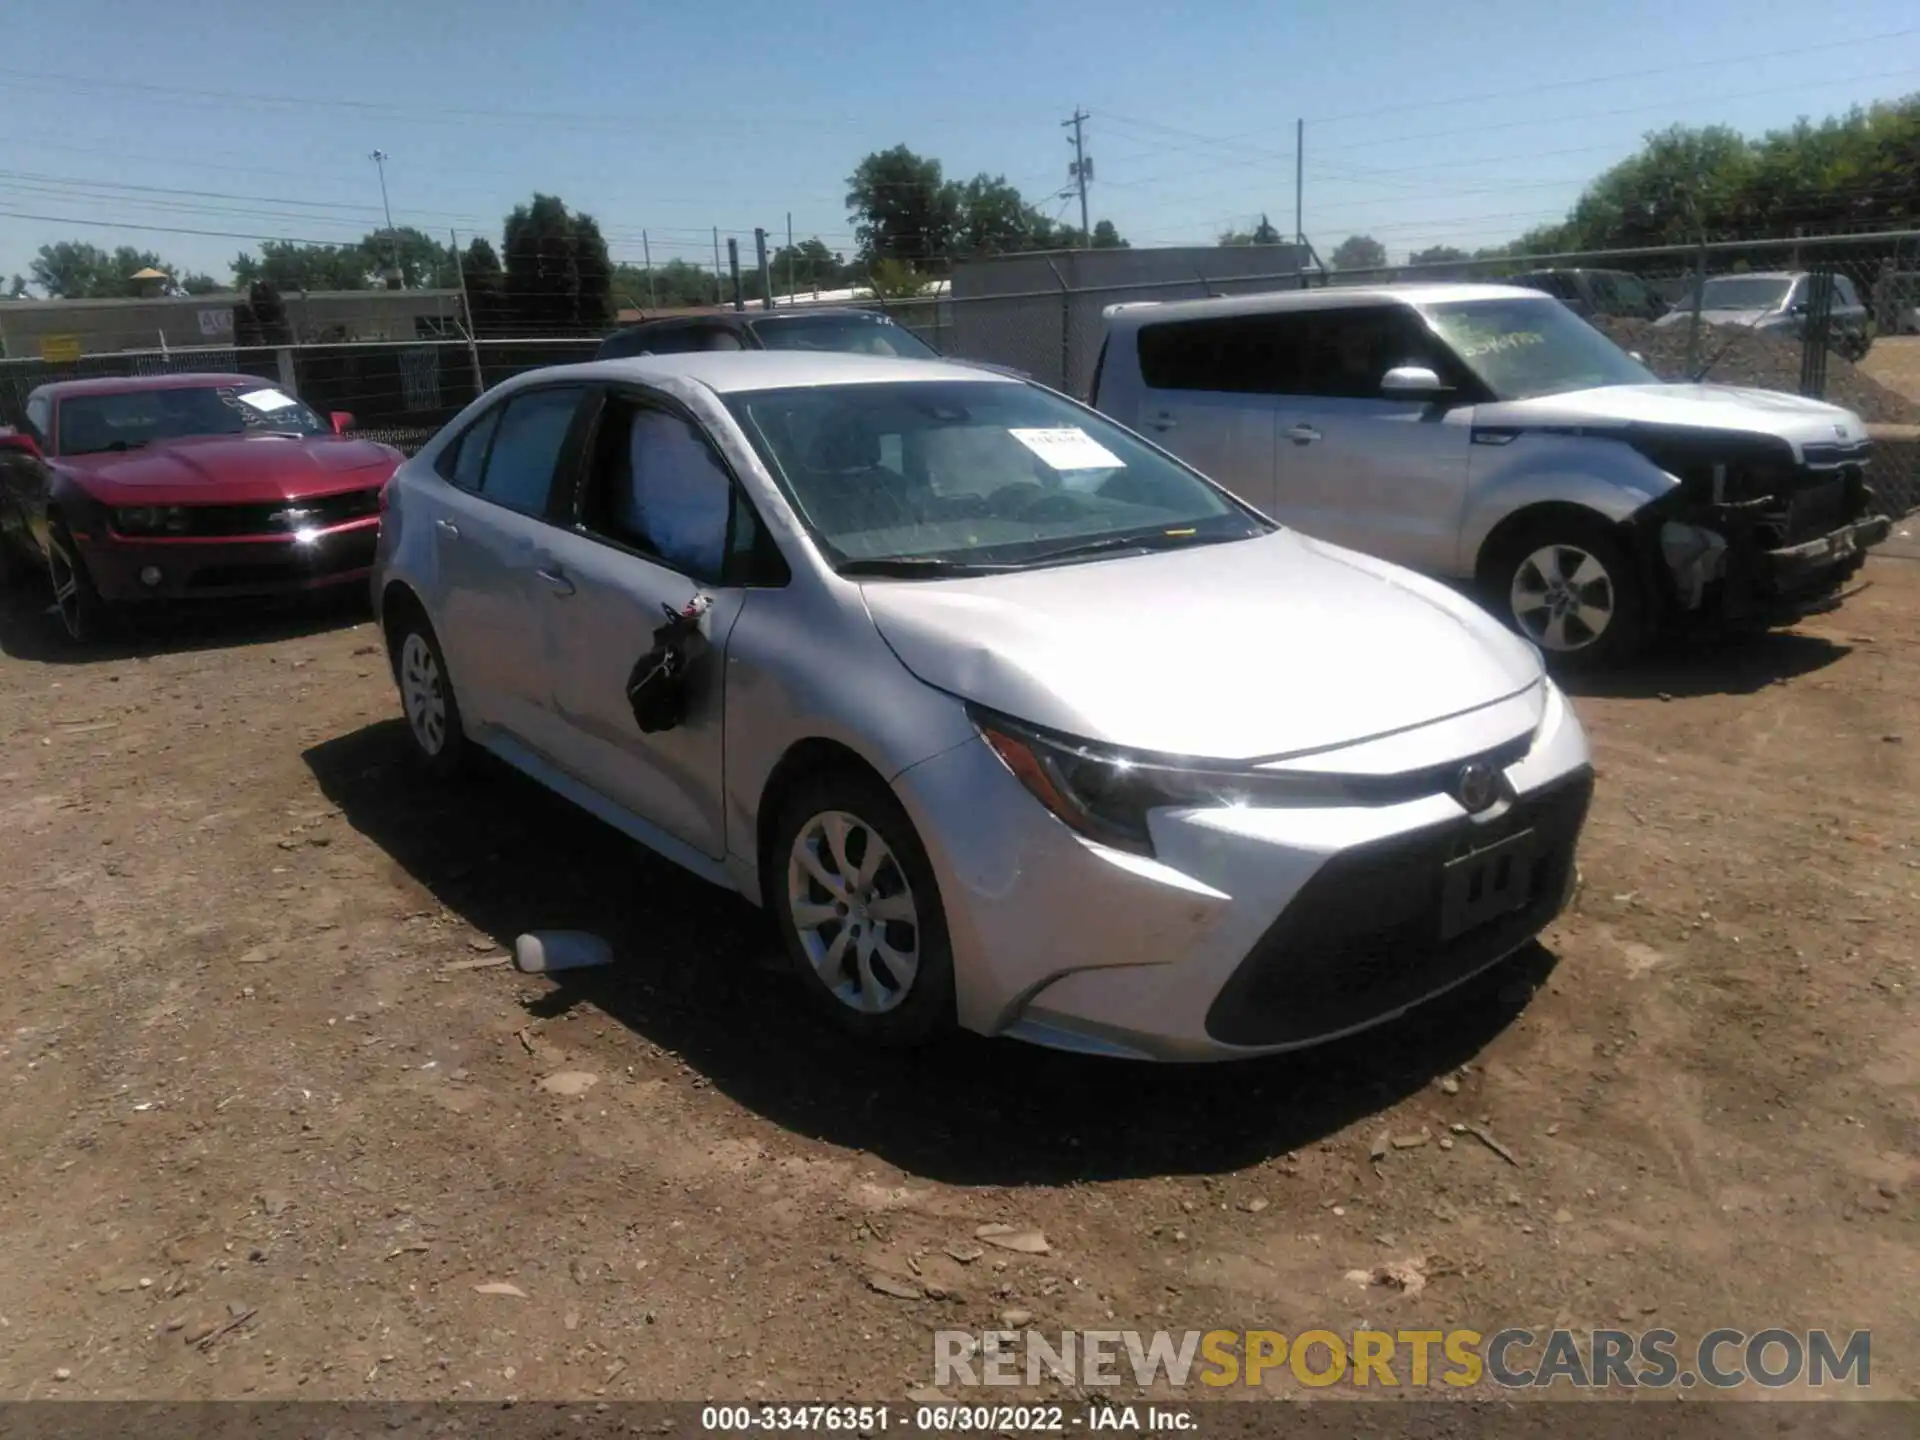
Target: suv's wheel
{"type": "Point", "coordinates": [859, 909]}
{"type": "Point", "coordinates": [1571, 588]}
{"type": "Point", "coordinates": [426, 695]}
{"type": "Point", "coordinates": [84, 614]}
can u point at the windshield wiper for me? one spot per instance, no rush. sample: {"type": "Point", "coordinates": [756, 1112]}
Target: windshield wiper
{"type": "Point", "coordinates": [1106, 544]}
{"type": "Point", "coordinates": [920, 567]}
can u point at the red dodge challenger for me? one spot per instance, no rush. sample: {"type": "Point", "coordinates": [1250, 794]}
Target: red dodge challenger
{"type": "Point", "coordinates": [167, 487]}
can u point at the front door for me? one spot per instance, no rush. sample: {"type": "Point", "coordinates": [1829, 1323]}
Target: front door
{"type": "Point", "coordinates": [1375, 473]}
{"type": "Point", "coordinates": [656, 519]}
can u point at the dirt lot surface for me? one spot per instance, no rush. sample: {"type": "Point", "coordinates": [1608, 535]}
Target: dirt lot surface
{"type": "Point", "coordinates": [1894, 362]}
{"type": "Point", "coordinates": [271, 1120]}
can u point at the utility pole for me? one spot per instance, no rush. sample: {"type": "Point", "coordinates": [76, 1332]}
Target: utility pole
{"type": "Point", "coordinates": [717, 297]}
{"type": "Point", "coordinates": [791, 292]}
{"type": "Point", "coordinates": [733, 268]}
{"type": "Point", "coordinates": [766, 275]}
{"type": "Point", "coordinates": [1081, 170]}
{"type": "Point", "coordinates": [379, 158]}
{"type": "Point", "coordinates": [1299, 179]}
{"type": "Point", "coordinates": [646, 253]}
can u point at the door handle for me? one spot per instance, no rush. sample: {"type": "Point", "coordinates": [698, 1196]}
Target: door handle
{"type": "Point", "coordinates": [447, 528]}
{"type": "Point", "coordinates": [1161, 422]}
{"type": "Point", "coordinates": [558, 581]}
{"type": "Point", "coordinates": [1302, 434]}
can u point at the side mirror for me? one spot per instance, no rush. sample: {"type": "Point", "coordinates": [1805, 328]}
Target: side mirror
{"type": "Point", "coordinates": [1636, 355]}
{"type": "Point", "coordinates": [1414, 382]}
{"type": "Point", "coordinates": [342, 422]}
{"type": "Point", "coordinates": [21, 444]}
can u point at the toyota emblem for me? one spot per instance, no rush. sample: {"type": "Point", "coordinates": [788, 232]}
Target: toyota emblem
{"type": "Point", "coordinates": [1477, 787]}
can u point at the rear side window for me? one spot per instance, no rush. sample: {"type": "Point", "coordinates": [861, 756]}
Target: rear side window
{"type": "Point", "coordinates": [526, 448]}
{"type": "Point", "coordinates": [1240, 354]}
{"type": "Point", "coordinates": [462, 461]}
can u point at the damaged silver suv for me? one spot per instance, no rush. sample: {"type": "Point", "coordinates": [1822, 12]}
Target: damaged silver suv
{"type": "Point", "coordinates": [1485, 434]}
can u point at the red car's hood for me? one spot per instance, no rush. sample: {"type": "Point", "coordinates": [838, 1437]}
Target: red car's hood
{"type": "Point", "coordinates": [232, 469]}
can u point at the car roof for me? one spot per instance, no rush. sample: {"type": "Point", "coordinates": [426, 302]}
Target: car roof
{"type": "Point", "coordinates": [121, 384]}
{"type": "Point", "coordinates": [727, 372]}
{"type": "Point", "coordinates": [1336, 297]}
{"type": "Point", "coordinates": [749, 317]}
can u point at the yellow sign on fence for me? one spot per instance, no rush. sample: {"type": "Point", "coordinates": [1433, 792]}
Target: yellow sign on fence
{"type": "Point", "coordinates": [60, 349]}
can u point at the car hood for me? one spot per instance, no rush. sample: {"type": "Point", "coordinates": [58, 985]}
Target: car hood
{"type": "Point", "coordinates": [1257, 649]}
{"type": "Point", "coordinates": [232, 469]}
{"type": "Point", "coordinates": [1735, 408]}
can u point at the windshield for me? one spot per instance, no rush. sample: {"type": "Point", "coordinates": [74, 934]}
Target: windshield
{"type": "Point", "coordinates": [1523, 348]}
{"type": "Point", "coordinates": [937, 475]}
{"type": "Point", "coordinates": [133, 418]}
{"type": "Point", "coordinates": [849, 334]}
{"type": "Point", "coordinates": [1743, 292]}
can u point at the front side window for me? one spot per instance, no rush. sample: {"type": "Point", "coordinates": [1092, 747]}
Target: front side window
{"type": "Point", "coordinates": [1521, 348]}
{"type": "Point", "coordinates": [526, 448]}
{"type": "Point", "coordinates": [1346, 352]}
{"type": "Point", "coordinates": [925, 477]}
{"type": "Point", "coordinates": [659, 488]}
{"type": "Point", "coordinates": [131, 419]}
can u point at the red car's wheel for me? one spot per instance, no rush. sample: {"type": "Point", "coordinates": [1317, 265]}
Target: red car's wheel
{"type": "Point", "coordinates": [84, 614]}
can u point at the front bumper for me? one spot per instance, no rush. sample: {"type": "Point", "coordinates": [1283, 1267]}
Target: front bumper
{"type": "Point", "coordinates": [1252, 930]}
{"type": "Point", "coordinates": [128, 569]}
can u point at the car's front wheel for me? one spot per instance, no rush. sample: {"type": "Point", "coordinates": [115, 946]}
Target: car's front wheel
{"type": "Point", "coordinates": [426, 695]}
{"type": "Point", "coordinates": [859, 910]}
{"type": "Point", "coordinates": [1571, 588]}
{"type": "Point", "coordinates": [84, 614]}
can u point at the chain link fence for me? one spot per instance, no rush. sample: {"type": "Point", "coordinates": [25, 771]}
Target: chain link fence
{"type": "Point", "coordinates": [1832, 317]}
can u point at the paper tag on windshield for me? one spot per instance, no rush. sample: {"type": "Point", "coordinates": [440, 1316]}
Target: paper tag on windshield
{"type": "Point", "coordinates": [1069, 449]}
{"type": "Point", "coordinates": [266, 401]}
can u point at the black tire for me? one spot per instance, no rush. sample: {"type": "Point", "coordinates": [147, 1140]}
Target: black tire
{"type": "Point", "coordinates": [427, 703]}
{"type": "Point", "coordinates": [903, 1014]}
{"type": "Point", "coordinates": [1570, 545]}
{"type": "Point", "coordinates": [86, 617]}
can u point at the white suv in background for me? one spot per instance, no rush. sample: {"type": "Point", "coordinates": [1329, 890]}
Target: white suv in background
{"type": "Point", "coordinates": [1485, 434]}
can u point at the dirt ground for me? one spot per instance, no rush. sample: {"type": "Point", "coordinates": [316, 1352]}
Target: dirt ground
{"type": "Point", "coordinates": [270, 1121]}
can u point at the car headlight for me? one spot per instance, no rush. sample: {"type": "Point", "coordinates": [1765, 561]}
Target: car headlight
{"type": "Point", "coordinates": [150, 520]}
{"type": "Point", "coordinates": [1106, 794]}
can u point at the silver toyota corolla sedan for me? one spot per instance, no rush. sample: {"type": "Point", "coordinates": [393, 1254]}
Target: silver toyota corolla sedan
{"type": "Point", "coordinates": [1010, 719]}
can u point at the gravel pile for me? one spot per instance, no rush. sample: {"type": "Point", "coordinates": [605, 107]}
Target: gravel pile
{"type": "Point", "coordinates": [1760, 361]}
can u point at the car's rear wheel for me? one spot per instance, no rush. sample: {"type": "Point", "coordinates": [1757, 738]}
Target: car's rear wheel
{"type": "Point", "coordinates": [859, 910]}
{"type": "Point", "coordinates": [83, 613]}
{"type": "Point", "coordinates": [426, 696]}
{"type": "Point", "coordinates": [1571, 588]}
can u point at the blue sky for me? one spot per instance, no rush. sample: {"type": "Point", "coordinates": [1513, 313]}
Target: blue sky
{"type": "Point", "coordinates": [1426, 123]}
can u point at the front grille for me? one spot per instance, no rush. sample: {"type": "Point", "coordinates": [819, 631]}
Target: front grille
{"type": "Point", "coordinates": [1826, 457]}
{"type": "Point", "coordinates": [281, 517]}
{"type": "Point", "coordinates": [1363, 937]}
{"type": "Point", "coordinates": [334, 556]}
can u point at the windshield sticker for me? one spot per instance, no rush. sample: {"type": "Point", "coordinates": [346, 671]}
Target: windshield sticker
{"type": "Point", "coordinates": [1497, 344]}
{"type": "Point", "coordinates": [267, 401]}
{"type": "Point", "coordinates": [1069, 449]}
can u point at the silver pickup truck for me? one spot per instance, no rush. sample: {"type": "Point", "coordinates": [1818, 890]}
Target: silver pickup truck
{"type": "Point", "coordinates": [1485, 434]}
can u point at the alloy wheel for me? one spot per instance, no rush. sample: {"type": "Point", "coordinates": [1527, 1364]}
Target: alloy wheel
{"type": "Point", "coordinates": [66, 591]}
{"type": "Point", "coordinates": [854, 912]}
{"type": "Point", "coordinates": [1562, 598]}
{"type": "Point", "coordinates": [423, 693]}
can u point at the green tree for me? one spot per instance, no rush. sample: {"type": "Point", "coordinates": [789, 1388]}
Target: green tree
{"type": "Point", "coordinates": [896, 280]}
{"type": "Point", "coordinates": [288, 265]}
{"type": "Point", "coordinates": [902, 208]}
{"type": "Point", "coordinates": [423, 262]}
{"type": "Point", "coordinates": [76, 270]}
{"type": "Point", "coordinates": [17, 288]}
{"type": "Point", "coordinates": [1438, 255]}
{"type": "Point", "coordinates": [1358, 252]}
{"type": "Point", "coordinates": [1261, 234]}
{"type": "Point", "coordinates": [486, 288]}
{"type": "Point", "coordinates": [1106, 237]}
{"type": "Point", "coordinates": [559, 279]}
{"type": "Point", "coordinates": [810, 264]}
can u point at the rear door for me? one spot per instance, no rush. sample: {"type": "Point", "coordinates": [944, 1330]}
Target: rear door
{"type": "Point", "coordinates": [1376, 473]}
{"type": "Point", "coordinates": [658, 519]}
{"type": "Point", "coordinates": [488, 546]}
{"type": "Point", "coordinates": [1210, 391]}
